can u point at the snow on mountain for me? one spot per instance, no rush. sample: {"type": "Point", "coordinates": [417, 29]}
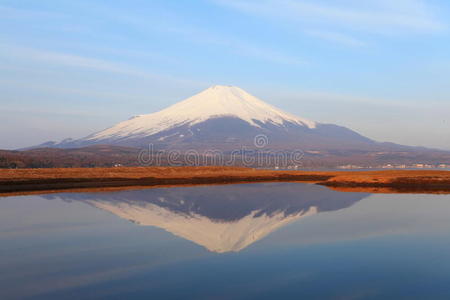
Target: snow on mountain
{"type": "Point", "coordinates": [220, 218]}
{"type": "Point", "coordinates": [214, 235]}
{"type": "Point", "coordinates": [225, 118]}
{"type": "Point", "coordinates": [216, 101]}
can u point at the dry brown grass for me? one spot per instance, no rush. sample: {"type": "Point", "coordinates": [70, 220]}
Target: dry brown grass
{"type": "Point", "coordinates": [19, 180]}
{"type": "Point", "coordinates": [120, 172]}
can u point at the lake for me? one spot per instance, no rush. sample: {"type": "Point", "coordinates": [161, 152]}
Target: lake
{"type": "Point", "coordinates": [245, 241]}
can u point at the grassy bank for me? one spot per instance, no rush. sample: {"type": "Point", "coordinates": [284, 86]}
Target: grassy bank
{"type": "Point", "coordinates": [403, 181]}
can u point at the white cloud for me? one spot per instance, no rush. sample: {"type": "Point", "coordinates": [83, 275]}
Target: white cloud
{"type": "Point", "coordinates": [174, 24]}
{"type": "Point", "coordinates": [65, 59]}
{"type": "Point", "coordinates": [23, 14]}
{"type": "Point", "coordinates": [236, 46]}
{"type": "Point", "coordinates": [384, 17]}
{"type": "Point", "coordinates": [336, 37]}
{"type": "Point", "coordinates": [15, 54]}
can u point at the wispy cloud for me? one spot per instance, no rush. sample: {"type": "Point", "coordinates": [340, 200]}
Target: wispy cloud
{"type": "Point", "coordinates": [329, 20]}
{"type": "Point", "coordinates": [366, 15]}
{"type": "Point", "coordinates": [166, 22]}
{"type": "Point", "coordinates": [336, 37]}
{"type": "Point", "coordinates": [175, 25]}
{"type": "Point", "coordinates": [25, 14]}
{"type": "Point", "coordinates": [24, 54]}
{"type": "Point", "coordinates": [236, 46]}
{"type": "Point", "coordinates": [66, 59]}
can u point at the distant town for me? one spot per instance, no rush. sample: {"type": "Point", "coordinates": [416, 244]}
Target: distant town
{"type": "Point", "coordinates": [398, 166]}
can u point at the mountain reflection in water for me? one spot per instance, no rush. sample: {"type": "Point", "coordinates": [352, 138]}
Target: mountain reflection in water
{"type": "Point", "coordinates": [220, 218]}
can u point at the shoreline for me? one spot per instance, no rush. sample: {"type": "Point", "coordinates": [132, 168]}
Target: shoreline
{"type": "Point", "coordinates": [35, 181]}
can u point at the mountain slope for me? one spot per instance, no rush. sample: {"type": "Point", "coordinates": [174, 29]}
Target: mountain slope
{"type": "Point", "coordinates": [214, 102]}
{"type": "Point", "coordinates": [217, 217]}
{"type": "Point", "coordinates": [225, 118]}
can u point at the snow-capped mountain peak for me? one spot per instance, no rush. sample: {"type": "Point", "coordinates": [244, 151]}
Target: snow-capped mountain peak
{"type": "Point", "coordinates": [222, 100]}
{"type": "Point", "coordinates": [215, 236]}
{"type": "Point", "coordinates": [216, 101]}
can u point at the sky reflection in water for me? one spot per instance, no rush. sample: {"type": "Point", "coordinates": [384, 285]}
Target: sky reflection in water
{"type": "Point", "coordinates": [233, 241]}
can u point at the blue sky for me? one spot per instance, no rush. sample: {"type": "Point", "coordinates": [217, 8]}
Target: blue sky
{"type": "Point", "coordinates": [380, 67]}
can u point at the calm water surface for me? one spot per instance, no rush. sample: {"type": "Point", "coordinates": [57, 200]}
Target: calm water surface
{"type": "Point", "coordinates": [248, 241]}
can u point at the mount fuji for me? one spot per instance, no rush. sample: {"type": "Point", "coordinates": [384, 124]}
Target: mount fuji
{"type": "Point", "coordinates": [217, 217]}
{"type": "Point", "coordinates": [224, 117]}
